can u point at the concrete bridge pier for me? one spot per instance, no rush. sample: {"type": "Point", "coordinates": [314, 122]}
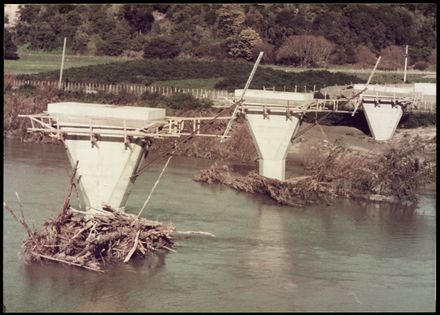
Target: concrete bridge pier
{"type": "Point", "coordinates": [272, 138]}
{"type": "Point", "coordinates": [382, 119]}
{"type": "Point", "coordinates": [105, 170]}
{"type": "Point", "coordinates": [272, 124]}
{"type": "Point", "coordinates": [110, 142]}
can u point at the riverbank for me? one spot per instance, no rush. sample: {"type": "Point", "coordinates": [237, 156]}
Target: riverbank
{"type": "Point", "coordinates": [393, 171]}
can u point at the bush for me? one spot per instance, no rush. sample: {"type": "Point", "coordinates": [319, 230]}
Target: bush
{"type": "Point", "coordinates": [9, 48]}
{"type": "Point", "coordinates": [421, 65]}
{"type": "Point", "coordinates": [161, 47]}
{"type": "Point", "coordinates": [414, 120]}
{"type": "Point", "coordinates": [187, 101]}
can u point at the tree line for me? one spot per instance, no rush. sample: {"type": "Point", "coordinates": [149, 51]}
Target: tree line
{"type": "Point", "coordinates": [309, 35]}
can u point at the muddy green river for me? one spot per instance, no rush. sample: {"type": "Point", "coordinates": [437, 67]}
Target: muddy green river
{"type": "Point", "coordinates": [349, 256]}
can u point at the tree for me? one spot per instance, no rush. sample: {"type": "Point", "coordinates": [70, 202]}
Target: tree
{"type": "Point", "coordinates": [393, 57]}
{"type": "Point", "coordinates": [9, 48]}
{"type": "Point", "coordinates": [241, 46]}
{"type": "Point", "coordinates": [115, 41]}
{"type": "Point", "coordinates": [365, 56]}
{"type": "Point", "coordinates": [230, 20]}
{"type": "Point", "coordinates": [267, 49]}
{"type": "Point", "coordinates": [305, 50]}
{"type": "Point", "coordinates": [80, 41]}
{"type": "Point", "coordinates": [139, 17]}
{"type": "Point", "coordinates": [161, 47]}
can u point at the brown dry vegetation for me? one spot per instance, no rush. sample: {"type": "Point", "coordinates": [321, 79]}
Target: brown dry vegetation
{"type": "Point", "coordinates": [17, 103]}
{"type": "Point", "coordinates": [336, 171]}
{"type": "Point", "coordinates": [238, 148]}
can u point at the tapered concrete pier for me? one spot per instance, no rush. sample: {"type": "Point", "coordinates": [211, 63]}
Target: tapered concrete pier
{"type": "Point", "coordinates": [382, 104]}
{"type": "Point", "coordinates": [272, 126]}
{"type": "Point", "coordinates": [382, 119]}
{"type": "Point", "coordinates": [97, 135]}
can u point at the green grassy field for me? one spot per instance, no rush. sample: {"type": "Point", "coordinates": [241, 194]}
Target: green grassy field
{"type": "Point", "coordinates": [42, 62]}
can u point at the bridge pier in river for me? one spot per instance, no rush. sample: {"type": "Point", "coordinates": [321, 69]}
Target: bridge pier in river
{"type": "Point", "coordinates": [272, 121]}
{"type": "Point", "coordinates": [107, 142]}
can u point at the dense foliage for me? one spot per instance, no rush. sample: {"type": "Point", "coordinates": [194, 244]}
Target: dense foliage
{"type": "Point", "coordinates": [234, 74]}
{"type": "Point", "coordinates": [219, 31]}
{"type": "Point", "coordinates": [9, 48]}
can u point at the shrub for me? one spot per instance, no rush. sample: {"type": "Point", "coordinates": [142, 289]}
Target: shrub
{"type": "Point", "coordinates": [393, 57]}
{"type": "Point", "coordinates": [365, 56]}
{"type": "Point", "coordinates": [187, 101]}
{"type": "Point", "coordinates": [414, 120]}
{"type": "Point", "coordinates": [161, 47]}
{"type": "Point", "coordinates": [9, 48]}
{"type": "Point", "coordinates": [421, 65]}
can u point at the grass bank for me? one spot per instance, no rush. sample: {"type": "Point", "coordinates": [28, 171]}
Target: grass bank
{"type": "Point", "coordinates": [30, 63]}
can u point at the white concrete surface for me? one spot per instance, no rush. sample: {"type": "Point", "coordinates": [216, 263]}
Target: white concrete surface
{"type": "Point", "coordinates": [410, 89]}
{"type": "Point", "coordinates": [68, 111]}
{"type": "Point", "coordinates": [272, 138]}
{"type": "Point", "coordinates": [273, 97]}
{"type": "Point", "coordinates": [428, 89]}
{"type": "Point", "coordinates": [104, 172]}
{"type": "Point", "coordinates": [380, 88]}
{"type": "Point", "coordinates": [382, 120]}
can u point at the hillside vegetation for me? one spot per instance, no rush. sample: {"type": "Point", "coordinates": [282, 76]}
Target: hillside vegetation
{"type": "Point", "coordinates": [306, 35]}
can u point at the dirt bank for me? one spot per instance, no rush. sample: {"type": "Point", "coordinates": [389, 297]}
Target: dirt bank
{"type": "Point", "coordinates": [353, 138]}
{"type": "Point", "coordinates": [394, 171]}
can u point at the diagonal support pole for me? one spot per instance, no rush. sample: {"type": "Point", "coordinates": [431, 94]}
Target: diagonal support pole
{"type": "Point", "coordinates": [234, 113]}
{"type": "Point", "coordinates": [366, 85]}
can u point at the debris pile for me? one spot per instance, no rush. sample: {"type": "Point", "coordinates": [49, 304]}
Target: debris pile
{"type": "Point", "coordinates": [94, 238]}
{"type": "Point", "coordinates": [336, 171]}
{"type": "Point", "coordinates": [92, 241]}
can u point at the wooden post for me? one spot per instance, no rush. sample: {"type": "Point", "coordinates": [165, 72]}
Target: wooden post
{"type": "Point", "coordinates": [406, 64]}
{"type": "Point", "coordinates": [62, 63]}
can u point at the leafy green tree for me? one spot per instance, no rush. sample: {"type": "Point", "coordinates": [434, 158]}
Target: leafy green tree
{"type": "Point", "coordinates": [211, 18]}
{"type": "Point", "coordinates": [9, 48]}
{"type": "Point", "coordinates": [305, 50]}
{"type": "Point", "coordinates": [241, 46]}
{"type": "Point", "coordinates": [230, 20]}
{"type": "Point", "coordinates": [80, 41]}
{"type": "Point", "coordinates": [139, 17]}
{"type": "Point", "coordinates": [114, 42]}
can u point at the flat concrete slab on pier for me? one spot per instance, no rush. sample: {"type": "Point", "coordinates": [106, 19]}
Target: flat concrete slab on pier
{"type": "Point", "coordinates": [114, 115]}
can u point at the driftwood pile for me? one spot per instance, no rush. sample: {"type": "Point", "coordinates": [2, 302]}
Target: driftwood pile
{"type": "Point", "coordinates": [92, 241]}
{"type": "Point", "coordinates": [336, 171]}
{"type": "Point", "coordinates": [95, 238]}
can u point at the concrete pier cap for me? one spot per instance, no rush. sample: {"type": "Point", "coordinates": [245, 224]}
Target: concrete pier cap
{"type": "Point", "coordinates": [272, 132]}
{"type": "Point", "coordinates": [106, 166]}
{"type": "Point", "coordinates": [382, 116]}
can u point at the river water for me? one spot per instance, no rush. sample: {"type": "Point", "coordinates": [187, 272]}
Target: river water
{"type": "Point", "coordinates": [349, 256]}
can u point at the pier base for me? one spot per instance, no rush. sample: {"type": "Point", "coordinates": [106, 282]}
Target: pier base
{"type": "Point", "coordinates": [382, 119]}
{"type": "Point", "coordinates": [104, 170]}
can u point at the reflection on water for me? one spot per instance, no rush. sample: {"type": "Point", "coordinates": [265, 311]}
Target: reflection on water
{"type": "Point", "coordinates": [96, 291]}
{"type": "Point", "coordinates": [350, 256]}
